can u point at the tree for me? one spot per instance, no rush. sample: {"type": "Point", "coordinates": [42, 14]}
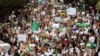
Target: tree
{"type": "Point", "coordinates": [98, 5]}
{"type": "Point", "coordinates": [6, 6]}
{"type": "Point", "coordinates": [91, 2]}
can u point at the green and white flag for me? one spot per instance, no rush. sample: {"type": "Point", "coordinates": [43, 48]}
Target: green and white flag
{"type": "Point", "coordinates": [83, 25]}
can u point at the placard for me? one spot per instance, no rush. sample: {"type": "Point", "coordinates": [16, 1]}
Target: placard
{"type": "Point", "coordinates": [71, 11]}
{"type": "Point", "coordinates": [22, 37]}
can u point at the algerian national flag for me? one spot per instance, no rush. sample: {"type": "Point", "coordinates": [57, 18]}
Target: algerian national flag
{"type": "Point", "coordinates": [34, 26]}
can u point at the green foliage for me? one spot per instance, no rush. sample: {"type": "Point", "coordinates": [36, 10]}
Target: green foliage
{"type": "Point", "coordinates": [98, 5]}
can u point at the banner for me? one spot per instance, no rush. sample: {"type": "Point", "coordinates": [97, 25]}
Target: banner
{"type": "Point", "coordinates": [83, 25]}
{"type": "Point", "coordinates": [71, 11]}
{"type": "Point", "coordinates": [22, 37]}
{"type": "Point", "coordinates": [34, 26]}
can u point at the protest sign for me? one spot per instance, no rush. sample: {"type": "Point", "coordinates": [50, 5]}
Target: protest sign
{"type": "Point", "coordinates": [71, 11]}
{"type": "Point", "coordinates": [22, 37]}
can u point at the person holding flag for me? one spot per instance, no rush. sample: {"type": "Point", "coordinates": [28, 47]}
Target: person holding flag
{"type": "Point", "coordinates": [35, 26]}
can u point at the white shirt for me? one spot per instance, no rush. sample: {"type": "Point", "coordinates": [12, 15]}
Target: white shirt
{"type": "Point", "coordinates": [55, 25]}
{"type": "Point", "coordinates": [6, 54]}
{"type": "Point", "coordinates": [77, 50]}
{"type": "Point", "coordinates": [42, 55]}
{"type": "Point", "coordinates": [73, 37]}
{"type": "Point", "coordinates": [92, 39]}
{"type": "Point", "coordinates": [71, 50]}
{"type": "Point", "coordinates": [32, 45]}
{"type": "Point", "coordinates": [48, 53]}
{"type": "Point", "coordinates": [58, 19]}
{"type": "Point", "coordinates": [2, 53]}
{"type": "Point", "coordinates": [85, 54]}
{"type": "Point", "coordinates": [43, 13]}
{"type": "Point", "coordinates": [36, 37]}
{"type": "Point", "coordinates": [99, 54]}
{"type": "Point", "coordinates": [12, 16]}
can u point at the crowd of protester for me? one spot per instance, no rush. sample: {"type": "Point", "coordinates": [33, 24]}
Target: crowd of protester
{"type": "Point", "coordinates": [58, 33]}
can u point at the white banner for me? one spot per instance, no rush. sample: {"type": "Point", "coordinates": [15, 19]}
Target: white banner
{"type": "Point", "coordinates": [71, 11]}
{"type": "Point", "coordinates": [22, 37]}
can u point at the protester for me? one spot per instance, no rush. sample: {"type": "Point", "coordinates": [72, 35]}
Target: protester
{"type": "Point", "coordinates": [52, 28]}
